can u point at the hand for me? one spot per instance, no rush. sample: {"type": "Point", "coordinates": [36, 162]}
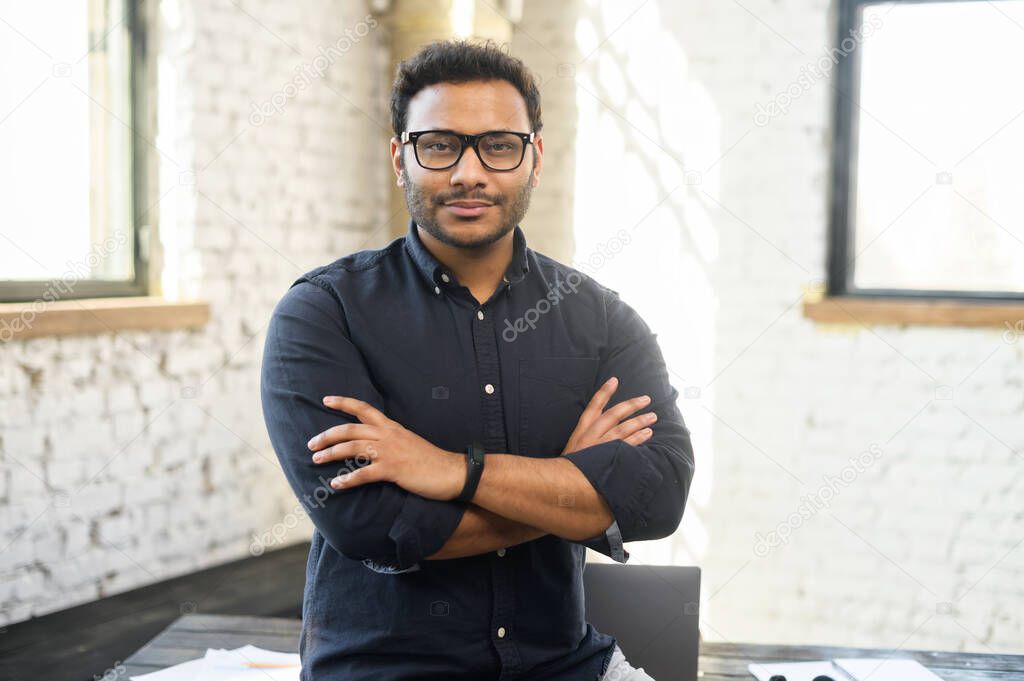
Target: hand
{"type": "Point", "coordinates": [396, 454]}
{"type": "Point", "coordinates": [595, 427]}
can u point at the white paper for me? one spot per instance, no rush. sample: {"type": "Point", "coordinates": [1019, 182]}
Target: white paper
{"type": "Point", "coordinates": [882, 669]}
{"type": "Point", "coordinates": [186, 671]}
{"type": "Point", "coordinates": [237, 665]}
{"type": "Point", "coordinates": [793, 671]}
{"type": "Point", "coordinates": [232, 665]}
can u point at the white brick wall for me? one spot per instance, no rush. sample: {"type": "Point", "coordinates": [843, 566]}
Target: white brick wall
{"type": "Point", "coordinates": [135, 457]}
{"type": "Point", "coordinates": [923, 548]}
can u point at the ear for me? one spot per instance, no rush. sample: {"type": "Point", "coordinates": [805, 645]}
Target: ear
{"type": "Point", "coordinates": [538, 143]}
{"type": "Point", "coordinates": [396, 160]}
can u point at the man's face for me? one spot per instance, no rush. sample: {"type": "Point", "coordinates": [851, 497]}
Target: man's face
{"type": "Point", "coordinates": [467, 205]}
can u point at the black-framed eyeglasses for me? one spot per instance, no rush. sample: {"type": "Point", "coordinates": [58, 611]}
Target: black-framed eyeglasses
{"type": "Point", "coordinates": [498, 150]}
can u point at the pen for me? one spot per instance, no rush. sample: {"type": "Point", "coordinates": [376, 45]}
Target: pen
{"type": "Point", "coordinates": [271, 665]}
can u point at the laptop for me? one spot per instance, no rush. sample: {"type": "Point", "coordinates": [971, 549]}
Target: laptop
{"type": "Point", "coordinates": [652, 611]}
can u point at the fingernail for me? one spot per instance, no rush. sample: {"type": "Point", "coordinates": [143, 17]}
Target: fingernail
{"type": "Point", "coordinates": [647, 431]}
{"type": "Point", "coordinates": [318, 458]}
{"type": "Point", "coordinates": [645, 399]}
{"type": "Point", "coordinates": [311, 443]}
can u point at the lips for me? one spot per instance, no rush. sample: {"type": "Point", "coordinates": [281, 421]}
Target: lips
{"type": "Point", "coordinates": [468, 208]}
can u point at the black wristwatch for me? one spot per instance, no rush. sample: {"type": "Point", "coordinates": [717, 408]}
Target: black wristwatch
{"type": "Point", "coordinates": [474, 469]}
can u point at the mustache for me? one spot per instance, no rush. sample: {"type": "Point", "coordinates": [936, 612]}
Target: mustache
{"type": "Point", "coordinates": [496, 199]}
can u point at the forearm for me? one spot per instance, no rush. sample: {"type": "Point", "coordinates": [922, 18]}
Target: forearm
{"type": "Point", "coordinates": [482, 531]}
{"type": "Point", "coordinates": [550, 494]}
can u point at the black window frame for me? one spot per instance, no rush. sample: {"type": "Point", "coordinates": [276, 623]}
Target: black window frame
{"type": "Point", "coordinates": [20, 291]}
{"type": "Point", "coordinates": [845, 120]}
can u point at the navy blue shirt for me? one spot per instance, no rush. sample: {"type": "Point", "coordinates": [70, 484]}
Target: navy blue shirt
{"type": "Point", "coordinates": [394, 327]}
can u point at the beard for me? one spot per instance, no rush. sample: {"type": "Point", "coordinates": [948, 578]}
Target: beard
{"type": "Point", "coordinates": [423, 209]}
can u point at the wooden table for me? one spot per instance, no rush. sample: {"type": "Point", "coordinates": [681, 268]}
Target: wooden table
{"type": "Point", "coordinates": [190, 636]}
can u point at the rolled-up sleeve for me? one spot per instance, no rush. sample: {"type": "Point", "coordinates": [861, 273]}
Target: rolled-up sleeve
{"type": "Point", "coordinates": [646, 486]}
{"type": "Point", "coordinates": [609, 543]}
{"type": "Point", "coordinates": [308, 354]}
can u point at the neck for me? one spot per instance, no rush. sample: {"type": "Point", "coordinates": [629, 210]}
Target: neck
{"type": "Point", "coordinates": [479, 269]}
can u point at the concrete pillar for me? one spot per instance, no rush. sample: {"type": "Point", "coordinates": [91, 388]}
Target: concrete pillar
{"type": "Point", "coordinates": [414, 23]}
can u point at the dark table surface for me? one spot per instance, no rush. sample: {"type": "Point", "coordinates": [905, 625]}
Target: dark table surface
{"type": "Point", "coordinates": [190, 636]}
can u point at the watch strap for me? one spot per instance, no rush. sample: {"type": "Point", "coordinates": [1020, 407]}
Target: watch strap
{"type": "Point", "coordinates": [474, 469]}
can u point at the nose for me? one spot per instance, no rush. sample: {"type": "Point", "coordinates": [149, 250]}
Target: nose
{"type": "Point", "coordinates": [469, 172]}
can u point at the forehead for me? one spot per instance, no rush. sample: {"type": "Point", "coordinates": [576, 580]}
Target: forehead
{"type": "Point", "coordinates": [472, 107]}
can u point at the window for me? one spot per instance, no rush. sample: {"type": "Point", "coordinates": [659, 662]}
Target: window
{"type": "Point", "coordinates": [72, 149]}
{"type": "Point", "coordinates": [927, 170]}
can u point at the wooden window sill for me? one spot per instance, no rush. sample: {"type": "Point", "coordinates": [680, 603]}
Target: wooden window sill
{"type": "Point", "coordinates": [856, 311]}
{"type": "Point", "coordinates": [98, 315]}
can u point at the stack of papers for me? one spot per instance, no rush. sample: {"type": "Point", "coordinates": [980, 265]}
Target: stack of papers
{"type": "Point", "coordinates": [247, 663]}
{"type": "Point", "coordinates": [846, 669]}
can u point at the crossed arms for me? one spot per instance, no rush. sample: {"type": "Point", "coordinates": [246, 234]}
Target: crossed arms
{"type": "Point", "coordinates": [394, 512]}
{"type": "Point", "coordinates": [517, 495]}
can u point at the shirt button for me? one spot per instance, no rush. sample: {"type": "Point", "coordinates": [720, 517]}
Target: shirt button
{"type": "Point", "coordinates": [489, 389]}
{"type": "Point", "coordinates": [501, 632]}
{"type": "Point", "coordinates": [479, 314]}
{"type": "Point", "coordinates": [437, 290]}
{"type": "Point", "coordinates": [501, 552]}
{"type": "Point", "coordinates": [444, 278]}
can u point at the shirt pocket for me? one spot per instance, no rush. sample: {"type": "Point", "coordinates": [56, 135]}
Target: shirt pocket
{"type": "Point", "coordinates": [553, 392]}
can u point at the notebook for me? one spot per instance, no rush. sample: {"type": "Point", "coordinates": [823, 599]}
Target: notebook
{"type": "Point", "coordinates": [846, 669]}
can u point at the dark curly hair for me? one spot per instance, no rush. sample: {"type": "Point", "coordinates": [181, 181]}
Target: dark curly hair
{"type": "Point", "coordinates": [460, 61]}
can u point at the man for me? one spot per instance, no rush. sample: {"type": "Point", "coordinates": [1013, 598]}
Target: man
{"type": "Point", "coordinates": [439, 407]}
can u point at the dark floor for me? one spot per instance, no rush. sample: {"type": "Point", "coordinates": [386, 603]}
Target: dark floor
{"type": "Point", "coordinates": [84, 642]}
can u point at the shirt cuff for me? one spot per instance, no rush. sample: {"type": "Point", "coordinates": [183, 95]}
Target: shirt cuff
{"type": "Point", "coordinates": [625, 477]}
{"type": "Point", "coordinates": [422, 527]}
{"type": "Point", "coordinates": [609, 543]}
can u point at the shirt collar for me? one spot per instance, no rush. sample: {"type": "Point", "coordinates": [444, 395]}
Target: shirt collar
{"type": "Point", "coordinates": [435, 272]}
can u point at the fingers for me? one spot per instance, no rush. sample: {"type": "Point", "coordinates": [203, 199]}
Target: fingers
{"type": "Point", "coordinates": [362, 410]}
{"type": "Point", "coordinates": [593, 410]}
{"type": "Point", "coordinates": [359, 476]}
{"type": "Point", "coordinates": [613, 416]}
{"type": "Point", "coordinates": [631, 426]}
{"type": "Point", "coordinates": [597, 403]}
{"type": "Point", "coordinates": [639, 437]}
{"type": "Point", "coordinates": [345, 450]}
{"type": "Point", "coordinates": [605, 392]}
{"type": "Point", "coordinates": [595, 426]}
{"type": "Point", "coordinates": [342, 433]}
